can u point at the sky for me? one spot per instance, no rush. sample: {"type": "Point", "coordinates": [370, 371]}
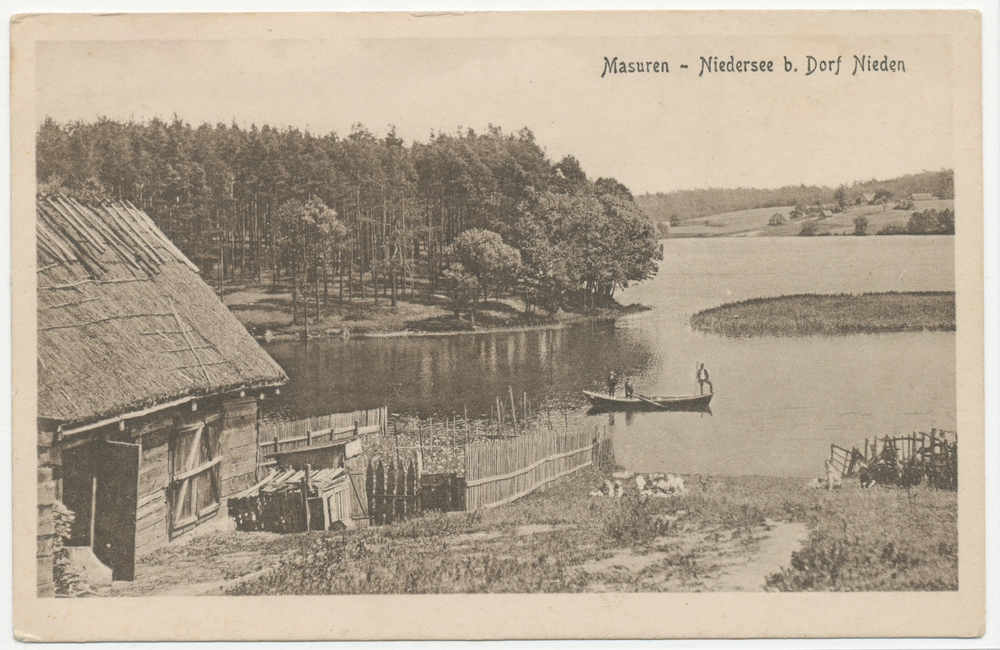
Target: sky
{"type": "Point", "coordinates": [651, 131]}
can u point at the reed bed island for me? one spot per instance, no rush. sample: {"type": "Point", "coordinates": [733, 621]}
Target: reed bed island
{"type": "Point", "coordinates": [837, 314]}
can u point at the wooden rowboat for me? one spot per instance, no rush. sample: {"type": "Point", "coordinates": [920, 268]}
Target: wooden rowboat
{"type": "Point", "coordinates": [643, 403]}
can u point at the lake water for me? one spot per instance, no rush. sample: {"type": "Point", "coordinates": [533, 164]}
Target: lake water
{"type": "Point", "coordinates": [779, 402]}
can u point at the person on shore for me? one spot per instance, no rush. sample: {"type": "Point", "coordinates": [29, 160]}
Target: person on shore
{"type": "Point", "coordinates": [703, 379]}
{"type": "Point", "coordinates": [629, 391]}
{"type": "Point", "coordinates": [612, 382]}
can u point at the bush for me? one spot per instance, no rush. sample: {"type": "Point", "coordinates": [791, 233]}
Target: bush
{"type": "Point", "coordinates": [931, 222]}
{"type": "Point", "coordinates": [893, 229]}
{"type": "Point", "coordinates": [631, 522]}
{"type": "Point", "coordinates": [809, 229]}
{"type": "Point", "coordinates": [776, 220]}
{"type": "Point", "coordinates": [860, 225]}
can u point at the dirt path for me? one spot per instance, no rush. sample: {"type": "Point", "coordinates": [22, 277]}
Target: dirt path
{"type": "Point", "coordinates": [748, 570]}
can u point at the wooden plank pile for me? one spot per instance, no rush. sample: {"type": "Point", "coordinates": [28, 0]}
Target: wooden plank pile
{"type": "Point", "coordinates": [288, 501]}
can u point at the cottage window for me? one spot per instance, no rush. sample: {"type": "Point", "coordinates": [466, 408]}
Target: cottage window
{"type": "Point", "coordinates": [194, 473]}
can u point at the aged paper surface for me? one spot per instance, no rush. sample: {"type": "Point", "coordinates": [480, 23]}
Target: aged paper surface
{"type": "Point", "coordinates": [811, 85]}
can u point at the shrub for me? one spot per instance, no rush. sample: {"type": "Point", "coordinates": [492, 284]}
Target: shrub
{"type": "Point", "coordinates": [893, 229]}
{"type": "Point", "coordinates": [776, 220]}
{"type": "Point", "coordinates": [809, 229]}
{"type": "Point", "coordinates": [931, 222]}
{"type": "Point", "coordinates": [860, 225]}
{"type": "Point", "coordinates": [631, 522]}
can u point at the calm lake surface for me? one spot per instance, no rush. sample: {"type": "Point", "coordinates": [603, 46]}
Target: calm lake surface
{"type": "Point", "coordinates": [779, 402]}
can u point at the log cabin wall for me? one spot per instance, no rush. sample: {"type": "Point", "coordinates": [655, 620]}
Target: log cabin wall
{"type": "Point", "coordinates": [238, 445]}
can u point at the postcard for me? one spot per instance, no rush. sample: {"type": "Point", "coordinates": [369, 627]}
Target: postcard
{"type": "Point", "coordinates": [486, 325]}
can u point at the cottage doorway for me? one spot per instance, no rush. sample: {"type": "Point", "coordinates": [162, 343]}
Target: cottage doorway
{"type": "Point", "coordinates": [100, 483]}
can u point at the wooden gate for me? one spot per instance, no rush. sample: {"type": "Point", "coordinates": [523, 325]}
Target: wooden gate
{"type": "Point", "coordinates": [444, 492]}
{"type": "Point", "coordinates": [392, 491]}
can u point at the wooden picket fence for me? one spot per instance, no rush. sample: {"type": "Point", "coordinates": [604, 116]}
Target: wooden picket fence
{"type": "Point", "coordinates": [500, 471]}
{"type": "Point", "coordinates": [393, 493]}
{"type": "Point", "coordinates": [905, 460]}
{"type": "Point", "coordinates": [285, 436]}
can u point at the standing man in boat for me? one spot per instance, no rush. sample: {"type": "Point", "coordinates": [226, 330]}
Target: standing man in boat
{"type": "Point", "coordinates": [612, 382]}
{"type": "Point", "coordinates": [703, 379]}
{"type": "Point", "coordinates": [628, 388]}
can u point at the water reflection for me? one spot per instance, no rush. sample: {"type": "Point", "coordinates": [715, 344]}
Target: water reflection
{"type": "Point", "coordinates": [779, 402]}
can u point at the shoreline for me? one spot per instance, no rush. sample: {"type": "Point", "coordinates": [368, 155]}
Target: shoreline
{"type": "Point", "coordinates": [831, 314]}
{"type": "Point", "coordinates": [373, 328]}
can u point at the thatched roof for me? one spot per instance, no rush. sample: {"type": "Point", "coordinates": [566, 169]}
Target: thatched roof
{"type": "Point", "coordinates": [124, 321]}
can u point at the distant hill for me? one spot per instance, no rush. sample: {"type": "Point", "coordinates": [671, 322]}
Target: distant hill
{"type": "Point", "coordinates": [692, 204]}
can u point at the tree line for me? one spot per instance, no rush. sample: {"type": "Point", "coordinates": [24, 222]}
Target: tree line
{"type": "Point", "coordinates": [374, 213]}
{"type": "Point", "coordinates": [690, 204]}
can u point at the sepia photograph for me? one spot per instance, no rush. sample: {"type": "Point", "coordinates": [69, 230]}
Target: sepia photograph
{"type": "Point", "coordinates": [565, 311]}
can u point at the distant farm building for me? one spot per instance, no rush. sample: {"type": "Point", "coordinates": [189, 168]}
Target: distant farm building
{"type": "Point", "coordinates": [147, 386]}
{"type": "Point", "coordinates": [827, 214]}
{"type": "Point", "coordinates": [776, 220]}
{"type": "Point", "coordinates": [869, 197]}
{"type": "Point", "coordinates": [922, 197]}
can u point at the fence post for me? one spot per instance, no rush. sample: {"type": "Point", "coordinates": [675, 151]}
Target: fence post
{"type": "Point", "coordinates": [305, 494]}
{"type": "Point", "coordinates": [513, 409]}
{"type": "Point", "coordinates": [370, 492]}
{"type": "Point", "coordinates": [378, 507]}
{"type": "Point", "coordinates": [390, 492]}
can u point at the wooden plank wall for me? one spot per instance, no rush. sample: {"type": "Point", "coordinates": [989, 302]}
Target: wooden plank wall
{"type": "Point", "coordinates": [151, 507]}
{"type": "Point", "coordinates": [500, 471]}
{"type": "Point", "coordinates": [238, 442]}
{"type": "Point", "coordinates": [355, 467]}
{"type": "Point", "coordinates": [314, 431]}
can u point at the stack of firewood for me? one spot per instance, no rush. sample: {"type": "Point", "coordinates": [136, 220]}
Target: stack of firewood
{"type": "Point", "coordinates": [69, 584]}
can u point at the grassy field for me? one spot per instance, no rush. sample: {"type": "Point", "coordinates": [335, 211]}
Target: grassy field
{"type": "Point", "coordinates": [727, 223]}
{"type": "Point", "coordinates": [880, 539]}
{"type": "Point", "coordinates": [563, 540]}
{"type": "Point", "coordinates": [754, 222]}
{"type": "Point", "coordinates": [809, 314]}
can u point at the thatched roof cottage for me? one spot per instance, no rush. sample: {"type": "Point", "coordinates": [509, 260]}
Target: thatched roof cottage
{"type": "Point", "coordinates": [147, 385]}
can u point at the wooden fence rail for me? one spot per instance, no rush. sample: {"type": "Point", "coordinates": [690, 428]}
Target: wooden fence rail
{"type": "Point", "coordinates": [286, 436]}
{"type": "Point", "coordinates": [500, 471]}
